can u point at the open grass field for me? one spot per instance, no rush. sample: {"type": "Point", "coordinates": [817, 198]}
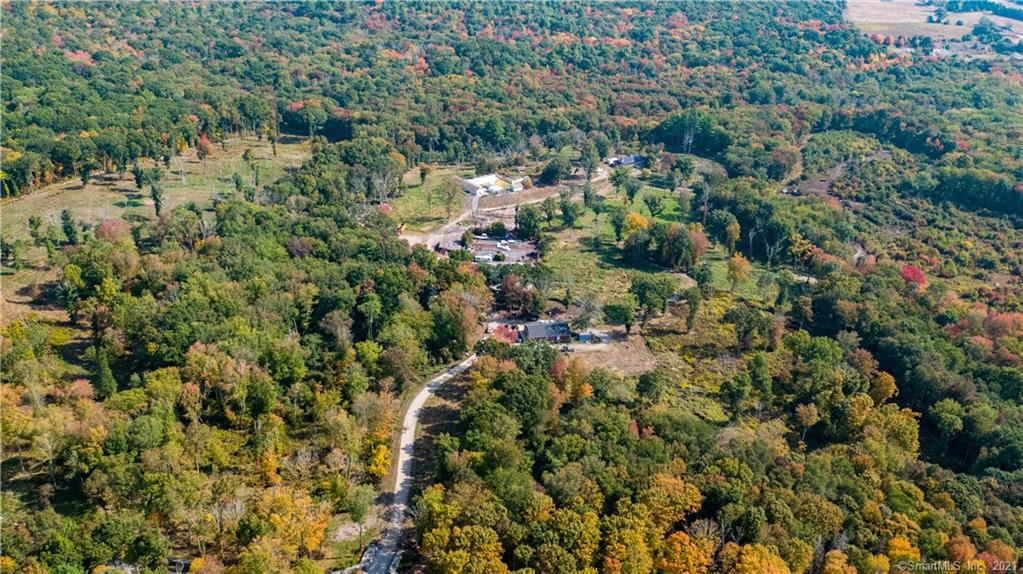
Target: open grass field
{"type": "Point", "coordinates": [596, 269]}
{"type": "Point", "coordinates": [699, 359]}
{"type": "Point", "coordinates": [761, 285]}
{"type": "Point", "coordinates": [423, 207]}
{"type": "Point", "coordinates": [112, 195]}
{"type": "Point", "coordinates": [907, 18]}
{"type": "Point", "coordinates": [672, 210]}
{"type": "Point", "coordinates": [585, 267]}
{"type": "Point", "coordinates": [898, 18]}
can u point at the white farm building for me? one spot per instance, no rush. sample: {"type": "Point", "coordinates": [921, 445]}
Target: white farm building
{"type": "Point", "coordinates": [493, 184]}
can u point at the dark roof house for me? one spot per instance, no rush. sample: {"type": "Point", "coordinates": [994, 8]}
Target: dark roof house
{"type": "Point", "coordinates": [556, 331]}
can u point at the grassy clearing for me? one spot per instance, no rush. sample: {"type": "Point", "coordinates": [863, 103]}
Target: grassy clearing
{"type": "Point", "coordinates": [672, 211]}
{"type": "Point", "coordinates": [113, 195]}
{"type": "Point", "coordinates": [592, 268]}
{"type": "Point", "coordinates": [908, 18]}
{"type": "Point", "coordinates": [421, 206]}
{"type": "Point", "coordinates": [597, 267]}
{"type": "Point", "coordinates": [761, 285]}
{"type": "Point", "coordinates": [586, 271]}
{"type": "Point", "coordinates": [584, 267]}
{"type": "Point", "coordinates": [699, 360]}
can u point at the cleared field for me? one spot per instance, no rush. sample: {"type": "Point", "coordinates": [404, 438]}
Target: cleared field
{"type": "Point", "coordinates": [628, 356]}
{"type": "Point", "coordinates": [970, 19]}
{"type": "Point", "coordinates": [598, 269]}
{"type": "Point", "coordinates": [423, 207]}
{"type": "Point", "coordinates": [907, 18]}
{"type": "Point", "coordinates": [30, 290]}
{"type": "Point", "coordinates": [897, 17]}
{"type": "Point", "coordinates": [187, 179]}
{"type": "Point", "coordinates": [111, 195]}
{"type": "Point", "coordinates": [761, 285]}
{"type": "Point", "coordinates": [672, 208]}
{"type": "Point", "coordinates": [585, 268]}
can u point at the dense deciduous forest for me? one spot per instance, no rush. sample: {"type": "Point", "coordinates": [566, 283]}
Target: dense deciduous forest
{"type": "Point", "coordinates": [839, 390]}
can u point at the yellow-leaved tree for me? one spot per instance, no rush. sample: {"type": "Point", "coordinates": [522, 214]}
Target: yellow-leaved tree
{"type": "Point", "coordinates": [670, 499]}
{"type": "Point", "coordinates": [634, 222]}
{"type": "Point", "coordinates": [751, 559]}
{"type": "Point", "coordinates": [296, 524]}
{"type": "Point", "coordinates": [626, 550]}
{"type": "Point", "coordinates": [836, 562]}
{"type": "Point", "coordinates": [464, 550]}
{"type": "Point", "coordinates": [739, 270]}
{"type": "Point", "coordinates": [379, 461]}
{"type": "Point", "coordinates": [684, 555]}
{"type": "Point", "coordinates": [901, 549]}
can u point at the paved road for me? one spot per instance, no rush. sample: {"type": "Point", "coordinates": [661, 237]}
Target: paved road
{"type": "Point", "coordinates": [387, 548]}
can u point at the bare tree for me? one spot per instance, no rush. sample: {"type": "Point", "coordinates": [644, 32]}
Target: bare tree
{"type": "Point", "coordinates": [773, 248]}
{"type": "Point", "coordinates": [300, 463]}
{"type": "Point", "coordinates": [754, 230]}
{"type": "Point", "coordinates": [474, 209]}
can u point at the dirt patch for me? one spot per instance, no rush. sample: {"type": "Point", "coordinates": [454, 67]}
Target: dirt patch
{"type": "Point", "coordinates": [628, 356]}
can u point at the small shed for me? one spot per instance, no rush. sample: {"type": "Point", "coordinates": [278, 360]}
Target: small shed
{"type": "Point", "coordinates": [594, 337]}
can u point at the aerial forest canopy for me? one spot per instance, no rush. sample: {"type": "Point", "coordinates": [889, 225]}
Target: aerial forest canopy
{"type": "Point", "coordinates": [91, 87]}
{"type": "Point", "coordinates": [807, 243]}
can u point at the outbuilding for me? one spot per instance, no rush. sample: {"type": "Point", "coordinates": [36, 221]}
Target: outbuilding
{"type": "Point", "coordinates": [494, 184]}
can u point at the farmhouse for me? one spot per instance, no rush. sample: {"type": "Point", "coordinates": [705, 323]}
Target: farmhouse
{"type": "Point", "coordinates": [553, 332]}
{"type": "Point", "coordinates": [493, 183]}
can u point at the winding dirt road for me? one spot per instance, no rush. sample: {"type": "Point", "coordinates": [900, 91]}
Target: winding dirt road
{"type": "Point", "coordinates": [382, 557]}
{"type": "Point", "coordinates": [387, 549]}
